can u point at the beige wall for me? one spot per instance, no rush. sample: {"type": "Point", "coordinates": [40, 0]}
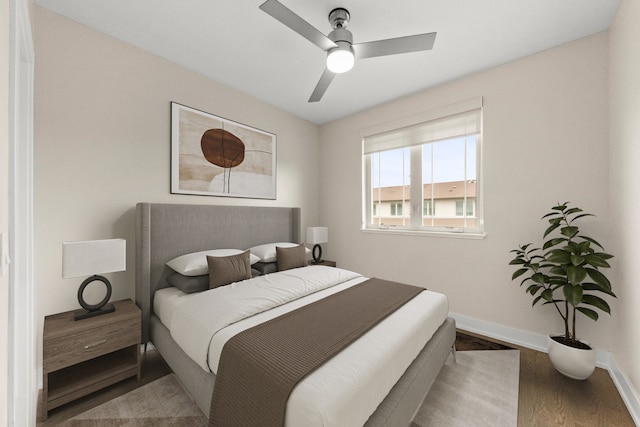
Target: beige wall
{"type": "Point", "coordinates": [624, 126]}
{"type": "Point", "coordinates": [545, 140]}
{"type": "Point", "coordinates": [102, 144]}
{"type": "Point", "coordinates": [4, 200]}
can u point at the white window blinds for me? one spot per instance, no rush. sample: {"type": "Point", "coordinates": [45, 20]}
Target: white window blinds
{"type": "Point", "coordinates": [453, 121]}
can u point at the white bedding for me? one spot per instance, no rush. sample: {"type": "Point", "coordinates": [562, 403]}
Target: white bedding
{"type": "Point", "coordinates": [344, 391]}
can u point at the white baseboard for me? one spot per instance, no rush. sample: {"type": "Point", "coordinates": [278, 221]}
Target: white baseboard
{"type": "Point", "coordinates": [538, 342]}
{"type": "Point", "coordinates": [500, 332]}
{"type": "Point", "coordinates": [626, 390]}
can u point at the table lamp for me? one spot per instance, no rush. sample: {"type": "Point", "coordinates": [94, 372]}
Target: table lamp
{"type": "Point", "coordinates": [93, 257]}
{"type": "Point", "coordinates": [315, 236]}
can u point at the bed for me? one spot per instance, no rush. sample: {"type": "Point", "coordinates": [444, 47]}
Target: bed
{"type": "Point", "coordinates": [165, 231]}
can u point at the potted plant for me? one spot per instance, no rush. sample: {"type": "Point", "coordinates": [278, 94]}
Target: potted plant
{"type": "Point", "coordinates": [565, 272]}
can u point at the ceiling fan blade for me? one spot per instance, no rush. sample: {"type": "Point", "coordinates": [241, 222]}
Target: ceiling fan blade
{"type": "Point", "coordinates": [394, 46]}
{"type": "Point", "coordinates": [323, 84]}
{"type": "Point", "coordinates": [297, 24]}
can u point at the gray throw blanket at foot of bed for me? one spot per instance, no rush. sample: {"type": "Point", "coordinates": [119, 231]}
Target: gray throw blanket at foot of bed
{"type": "Point", "coordinates": [260, 366]}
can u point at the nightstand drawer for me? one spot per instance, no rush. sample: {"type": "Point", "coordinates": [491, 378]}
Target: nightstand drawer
{"type": "Point", "coordinates": [68, 350]}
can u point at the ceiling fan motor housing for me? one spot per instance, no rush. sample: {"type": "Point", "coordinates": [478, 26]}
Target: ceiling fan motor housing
{"type": "Point", "coordinates": [341, 35]}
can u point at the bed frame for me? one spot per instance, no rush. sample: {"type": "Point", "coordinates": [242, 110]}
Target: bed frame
{"type": "Point", "coordinates": [165, 231]}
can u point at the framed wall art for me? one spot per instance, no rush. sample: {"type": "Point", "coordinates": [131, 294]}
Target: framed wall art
{"type": "Point", "coordinates": [213, 156]}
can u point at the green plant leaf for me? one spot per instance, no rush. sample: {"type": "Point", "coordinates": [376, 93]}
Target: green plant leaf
{"type": "Point", "coordinates": [591, 314]}
{"type": "Point", "coordinates": [573, 210]}
{"type": "Point", "coordinates": [581, 215]}
{"type": "Point", "coordinates": [535, 301]}
{"type": "Point", "coordinates": [592, 241]}
{"type": "Point", "coordinates": [519, 273]}
{"type": "Point", "coordinates": [584, 247]}
{"type": "Point", "coordinates": [552, 242]}
{"type": "Point", "coordinates": [596, 261]}
{"type": "Point", "coordinates": [533, 289]}
{"type": "Point", "coordinates": [560, 271]}
{"type": "Point", "coordinates": [577, 260]}
{"type": "Point", "coordinates": [551, 228]}
{"type": "Point", "coordinates": [603, 255]}
{"type": "Point", "coordinates": [559, 256]}
{"type": "Point", "coordinates": [576, 274]}
{"type": "Point", "coordinates": [589, 286]}
{"type": "Point", "coordinates": [547, 294]}
{"type": "Point", "coordinates": [599, 278]}
{"type": "Point", "coordinates": [517, 261]}
{"type": "Point", "coordinates": [538, 278]}
{"type": "Point", "coordinates": [557, 281]}
{"type": "Point", "coordinates": [596, 302]}
{"type": "Point", "coordinates": [569, 231]}
{"type": "Point", "coordinates": [573, 294]}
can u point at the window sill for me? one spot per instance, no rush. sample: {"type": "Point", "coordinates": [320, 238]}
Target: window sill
{"type": "Point", "coordinates": [446, 234]}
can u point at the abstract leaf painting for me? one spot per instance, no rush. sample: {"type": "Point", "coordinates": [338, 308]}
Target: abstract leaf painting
{"type": "Point", "coordinates": [213, 156]}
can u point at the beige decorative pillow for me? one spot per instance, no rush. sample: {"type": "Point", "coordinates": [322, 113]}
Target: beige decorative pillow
{"type": "Point", "coordinates": [228, 269]}
{"type": "Point", "coordinates": [267, 252]}
{"type": "Point", "coordinates": [195, 264]}
{"type": "Point", "coordinates": [291, 257]}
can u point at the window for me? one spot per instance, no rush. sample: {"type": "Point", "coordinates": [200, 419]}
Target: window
{"type": "Point", "coordinates": [460, 204]}
{"type": "Point", "coordinates": [429, 165]}
{"type": "Point", "coordinates": [396, 209]}
{"type": "Point", "coordinates": [428, 208]}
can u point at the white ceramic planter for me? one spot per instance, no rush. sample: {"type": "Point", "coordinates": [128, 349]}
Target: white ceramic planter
{"type": "Point", "coordinates": [572, 362]}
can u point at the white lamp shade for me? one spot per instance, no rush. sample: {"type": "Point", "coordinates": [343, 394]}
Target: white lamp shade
{"type": "Point", "coordinates": [91, 257]}
{"type": "Point", "coordinates": [317, 235]}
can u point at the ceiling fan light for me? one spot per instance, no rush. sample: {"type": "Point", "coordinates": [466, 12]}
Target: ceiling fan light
{"type": "Point", "coordinates": [340, 59]}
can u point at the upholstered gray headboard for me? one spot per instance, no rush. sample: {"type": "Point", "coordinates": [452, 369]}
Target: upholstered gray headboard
{"type": "Point", "coordinates": [165, 231]}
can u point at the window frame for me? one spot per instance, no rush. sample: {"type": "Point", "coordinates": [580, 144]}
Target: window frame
{"type": "Point", "coordinates": [415, 212]}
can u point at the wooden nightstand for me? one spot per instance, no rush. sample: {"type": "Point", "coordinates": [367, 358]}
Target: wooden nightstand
{"type": "Point", "coordinates": [80, 357]}
{"type": "Point", "coordinates": [324, 262]}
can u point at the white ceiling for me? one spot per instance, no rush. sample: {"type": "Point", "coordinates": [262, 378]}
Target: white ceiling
{"type": "Point", "coordinates": [235, 43]}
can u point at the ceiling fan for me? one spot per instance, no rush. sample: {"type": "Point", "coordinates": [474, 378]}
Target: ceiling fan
{"type": "Point", "coordinates": [341, 52]}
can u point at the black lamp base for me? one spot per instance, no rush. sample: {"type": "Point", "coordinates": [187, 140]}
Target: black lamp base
{"type": "Point", "coordinates": [85, 314]}
{"type": "Point", "coordinates": [92, 310]}
{"type": "Point", "coordinates": [317, 254]}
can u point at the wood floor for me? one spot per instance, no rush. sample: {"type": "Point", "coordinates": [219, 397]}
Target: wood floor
{"type": "Point", "coordinates": [546, 398]}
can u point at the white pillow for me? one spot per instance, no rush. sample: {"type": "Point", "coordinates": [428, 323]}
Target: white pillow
{"type": "Point", "coordinates": [195, 264]}
{"type": "Point", "coordinates": [267, 252]}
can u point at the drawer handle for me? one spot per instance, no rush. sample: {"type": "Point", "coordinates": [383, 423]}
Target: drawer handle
{"type": "Point", "coordinates": [88, 346]}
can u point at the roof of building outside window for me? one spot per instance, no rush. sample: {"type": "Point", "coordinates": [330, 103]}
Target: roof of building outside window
{"type": "Point", "coordinates": [441, 190]}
